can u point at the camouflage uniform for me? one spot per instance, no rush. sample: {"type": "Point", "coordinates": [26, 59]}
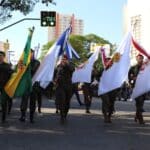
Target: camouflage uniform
{"type": "Point", "coordinates": [63, 93]}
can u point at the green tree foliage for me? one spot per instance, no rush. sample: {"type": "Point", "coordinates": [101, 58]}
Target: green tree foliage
{"type": "Point", "coordinates": [45, 49]}
{"type": "Point", "coordinates": [96, 39]}
{"type": "Point", "coordinates": [24, 6]}
{"type": "Point", "coordinates": [79, 43]}
{"type": "Point", "coordinates": [82, 46]}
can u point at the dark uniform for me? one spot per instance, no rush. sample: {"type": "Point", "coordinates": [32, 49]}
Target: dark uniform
{"type": "Point", "coordinates": [87, 93]}
{"type": "Point", "coordinates": [133, 73]}
{"type": "Point", "coordinates": [108, 102]}
{"type": "Point", "coordinates": [34, 95]}
{"type": "Point", "coordinates": [49, 90]}
{"type": "Point", "coordinates": [5, 73]}
{"type": "Point", "coordinates": [63, 93]}
{"type": "Point", "coordinates": [108, 99]}
{"type": "Point", "coordinates": [88, 90]}
{"type": "Point", "coordinates": [76, 92]}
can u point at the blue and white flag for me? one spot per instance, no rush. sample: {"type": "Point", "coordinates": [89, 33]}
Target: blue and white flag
{"type": "Point", "coordinates": [62, 41]}
{"type": "Point", "coordinates": [45, 72]}
{"type": "Point", "coordinates": [84, 71]}
{"type": "Point", "coordinates": [114, 77]}
{"type": "Point", "coordinates": [71, 52]}
{"type": "Point", "coordinates": [66, 46]}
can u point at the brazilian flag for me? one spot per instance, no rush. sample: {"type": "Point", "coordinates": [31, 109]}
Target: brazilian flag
{"type": "Point", "coordinates": [20, 81]}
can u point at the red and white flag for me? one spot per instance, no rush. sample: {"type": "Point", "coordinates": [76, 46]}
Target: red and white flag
{"type": "Point", "coordinates": [114, 77]}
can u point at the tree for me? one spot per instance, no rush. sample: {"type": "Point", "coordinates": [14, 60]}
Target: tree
{"type": "Point", "coordinates": [24, 6]}
{"type": "Point", "coordinates": [82, 46]}
{"type": "Point", "coordinates": [92, 38]}
{"type": "Point", "coordinates": [45, 49]}
{"type": "Point", "coordinates": [79, 42]}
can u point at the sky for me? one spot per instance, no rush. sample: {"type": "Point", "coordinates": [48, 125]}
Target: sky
{"type": "Point", "coordinates": [101, 17]}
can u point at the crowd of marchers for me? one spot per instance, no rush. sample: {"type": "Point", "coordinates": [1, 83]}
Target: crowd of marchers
{"type": "Point", "coordinates": [63, 89]}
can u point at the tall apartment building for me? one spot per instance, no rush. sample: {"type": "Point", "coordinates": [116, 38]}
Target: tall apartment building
{"type": "Point", "coordinates": [137, 18]}
{"type": "Point", "coordinates": [62, 22]}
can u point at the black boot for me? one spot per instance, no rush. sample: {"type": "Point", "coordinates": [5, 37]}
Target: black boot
{"type": "Point", "coordinates": [136, 117]}
{"type": "Point", "coordinates": [3, 117]}
{"type": "Point", "coordinates": [31, 118]}
{"type": "Point", "coordinates": [23, 117]}
{"type": "Point", "coordinates": [139, 118]}
{"type": "Point", "coordinates": [39, 110]}
{"type": "Point", "coordinates": [62, 117]}
{"type": "Point", "coordinates": [107, 118]}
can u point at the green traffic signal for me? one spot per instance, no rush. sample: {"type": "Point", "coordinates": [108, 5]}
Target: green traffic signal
{"type": "Point", "coordinates": [48, 18]}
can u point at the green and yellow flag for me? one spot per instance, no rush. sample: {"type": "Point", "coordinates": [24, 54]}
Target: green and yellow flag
{"type": "Point", "coordinates": [20, 80]}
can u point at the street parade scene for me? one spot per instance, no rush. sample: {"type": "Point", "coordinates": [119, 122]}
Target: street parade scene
{"type": "Point", "coordinates": [68, 83]}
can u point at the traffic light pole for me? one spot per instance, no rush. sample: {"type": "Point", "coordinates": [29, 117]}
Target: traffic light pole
{"type": "Point", "coordinates": [19, 22]}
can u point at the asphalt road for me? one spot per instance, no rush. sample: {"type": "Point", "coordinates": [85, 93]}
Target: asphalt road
{"type": "Point", "coordinates": [81, 132]}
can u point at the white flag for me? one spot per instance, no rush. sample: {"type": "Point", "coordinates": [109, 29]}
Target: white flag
{"type": "Point", "coordinates": [142, 84]}
{"type": "Point", "coordinates": [114, 77]}
{"type": "Point", "coordinates": [45, 72]}
{"type": "Point", "coordinates": [83, 72]}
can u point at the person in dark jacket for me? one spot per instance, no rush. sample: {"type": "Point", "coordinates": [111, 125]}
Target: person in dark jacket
{"type": "Point", "coordinates": [139, 101]}
{"type": "Point", "coordinates": [108, 99]}
{"type": "Point", "coordinates": [5, 73]}
{"type": "Point", "coordinates": [134, 70]}
{"type": "Point", "coordinates": [87, 93]}
{"type": "Point", "coordinates": [88, 89]}
{"type": "Point", "coordinates": [63, 84]}
{"type": "Point", "coordinates": [76, 92]}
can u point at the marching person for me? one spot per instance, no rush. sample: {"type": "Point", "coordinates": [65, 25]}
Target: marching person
{"type": "Point", "coordinates": [33, 96]}
{"type": "Point", "coordinates": [63, 84]}
{"type": "Point", "coordinates": [88, 89]}
{"type": "Point", "coordinates": [87, 93]}
{"type": "Point", "coordinates": [5, 73]}
{"type": "Point", "coordinates": [76, 92]}
{"type": "Point", "coordinates": [139, 101]}
{"type": "Point", "coordinates": [108, 99]}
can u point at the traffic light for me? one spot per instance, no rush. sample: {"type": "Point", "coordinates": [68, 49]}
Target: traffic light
{"type": "Point", "coordinates": [48, 18]}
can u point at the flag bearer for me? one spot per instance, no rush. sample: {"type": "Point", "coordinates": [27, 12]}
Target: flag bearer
{"type": "Point", "coordinates": [63, 83]}
{"type": "Point", "coordinates": [133, 73]}
{"type": "Point", "coordinates": [34, 95]}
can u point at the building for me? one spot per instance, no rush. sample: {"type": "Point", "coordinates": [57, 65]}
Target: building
{"type": "Point", "coordinates": [137, 18]}
{"type": "Point", "coordinates": [95, 46]}
{"type": "Point", "coordinates": [1, 46]}
{"type": "Point", "coordinates": [62, 22]}
{"type": "Point", "coordinates": [4, 46]}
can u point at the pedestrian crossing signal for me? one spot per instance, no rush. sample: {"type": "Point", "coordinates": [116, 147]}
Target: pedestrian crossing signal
{"type": "Point", "coordinates": [48, 18]}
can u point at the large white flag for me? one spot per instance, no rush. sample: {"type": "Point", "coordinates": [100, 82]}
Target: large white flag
{"type": "Point", "coordinates": [83, 72]}
{"type": "Point", "coordinates": [45, 72]}
{"type": "Point", "coordinates": [142, 84]}
{"type": "Point", "coordinates": [114, 77]}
